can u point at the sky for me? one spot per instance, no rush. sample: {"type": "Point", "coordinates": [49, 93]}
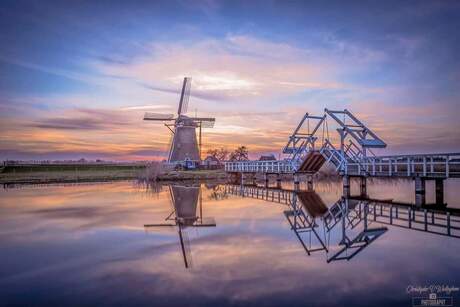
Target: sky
{"type": "Point", "coordinates": [77, 76]}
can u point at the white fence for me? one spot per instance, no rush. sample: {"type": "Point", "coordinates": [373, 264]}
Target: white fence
{"type": "Point", "coordinates": [282, 166]}
{"type": "Point", "coordinates": [429, 165]}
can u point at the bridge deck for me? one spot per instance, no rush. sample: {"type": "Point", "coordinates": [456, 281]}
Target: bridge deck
{"type": "Point", "coordinates": [428, 165]}
{"type": "Point", "coordinates": [313, 161]}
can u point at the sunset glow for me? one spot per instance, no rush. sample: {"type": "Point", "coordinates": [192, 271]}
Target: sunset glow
{"type": "Point", "coordinates": [76, 80]}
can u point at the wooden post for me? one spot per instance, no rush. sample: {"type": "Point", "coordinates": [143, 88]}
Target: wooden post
{"type": "Point", "coordinates": [419, 191]}
{"type": "Point", "coordinates": [363, 186]}
{"type": "Point", "coordinates": [346, 186]}
{"type": "Point", "coordinates": [296, 181]}
{"type": "Point", "coordinates": [200, 141]}
{"type": "Point", "coordinates": [439, 185]}
{"type": "Point", "coordinates": [310, 182]}
{"type": "Point", "coordinates": [278, 181]}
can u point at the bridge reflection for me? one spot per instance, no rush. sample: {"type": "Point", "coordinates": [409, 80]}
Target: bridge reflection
{"type": "Point", "coordinates": [351, 224]}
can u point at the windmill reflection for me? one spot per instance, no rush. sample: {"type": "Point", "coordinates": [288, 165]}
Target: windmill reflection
{"type": "Point", "coordinates": [352, 224]}
{"type": "Point", "coordinates": [187, 212]}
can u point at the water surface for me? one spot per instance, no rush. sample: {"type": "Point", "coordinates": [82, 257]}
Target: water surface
{"type": "Point", "coordinates": [86, 244]}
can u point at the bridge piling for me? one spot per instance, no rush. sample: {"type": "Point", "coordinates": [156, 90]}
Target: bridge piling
{"type": "Point", "coordinates": [439, 186]}
{"type": "Point", "coordinates": [296, 181]}
{"type": "Point", "coordinates": [346, 186]}
{"type": "Point", "coordinates": [363, 186]}
{"type": "Point", "coordinates": [310, 182]}
{"type": "Point", "coordinates": [265, 178]}
{"type": "Point", "coordinates": [420, 196]}
{"type": "Point", "coordinates": [278, 181]}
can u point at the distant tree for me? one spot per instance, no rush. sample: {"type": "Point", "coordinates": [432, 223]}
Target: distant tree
{"type": "Point", "coordinates": [240, 154]}
{"type": "Point", "coordinates": [220, 154]}
{"type": "Point", "coordinates": [212, 152]}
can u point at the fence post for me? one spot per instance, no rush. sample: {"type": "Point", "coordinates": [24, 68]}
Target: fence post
{"type": "Point", "coordinates": [447, 166]}
{"type": "Point", "coordinates": [424, 166]}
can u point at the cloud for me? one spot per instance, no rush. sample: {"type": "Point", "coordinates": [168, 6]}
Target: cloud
{"type": "Point", "coordinates": [146, 107]}
{"type": "Point", "coordinates": [233, 68]}
{"type": "Point", "coordinates": [257, 89]}
{"type": "Point", "coordinates": [84, 119]}
{"type": "Point", "coordinates": [68, 123]}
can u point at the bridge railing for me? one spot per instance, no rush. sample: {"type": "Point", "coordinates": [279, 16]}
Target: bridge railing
{"type": "Point", "coordinates": [278, 166]}
{"type": "Point", "coordinates": [428, 165]}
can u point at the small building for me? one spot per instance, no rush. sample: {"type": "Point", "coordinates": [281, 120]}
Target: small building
{"type": "Point", "coordinates": [211, 162]}
{"type": "Point", "coordinates": [270, 157]}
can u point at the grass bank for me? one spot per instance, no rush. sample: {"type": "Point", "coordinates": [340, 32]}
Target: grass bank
{"type": "Point", "coordinates": [192, 175]}
{"type": "Point", "coordinates": [39, 174]}
{"type": "Point", "coordinates": [67, 173]}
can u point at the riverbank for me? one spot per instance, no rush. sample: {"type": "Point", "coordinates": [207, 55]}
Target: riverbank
{"type": "Point", "coordinates": [192, 175]}
{"type": "Point", "coordinates": [66, 176]}
{"type": "Point", "coordinates": [40, 174]}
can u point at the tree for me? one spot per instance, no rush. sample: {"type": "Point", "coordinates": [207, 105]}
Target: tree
{"type": "Point", "coordinates": [220, 154]}
{"type": "Point", "coordinates": [240, 154]}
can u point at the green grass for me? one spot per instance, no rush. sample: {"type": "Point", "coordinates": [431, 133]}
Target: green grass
{"type": "Point", "coordinates": [68, 173]}
{"type": "Point", "coordinates": [88, 172]}
{"type": "Point", "coordinates": [69, 167]}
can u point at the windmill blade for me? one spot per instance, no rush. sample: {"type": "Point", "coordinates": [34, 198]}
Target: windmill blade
{"type": "Point", "coordinates": [185, 247]}
{"type": "Point", "coordinates": [159, 225]}
{"type": "Point", "coordinates": [184, 96]}
{"type": "Point", "coordinates": [206, 222]}
{"type": "Point", "coordinates": [206, 122]}
{"type": "Point", "coordinates": [159, 228]}
{"type": "Point", "coordinates": [158, 116]}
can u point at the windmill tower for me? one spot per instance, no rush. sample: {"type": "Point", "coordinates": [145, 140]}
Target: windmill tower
{"type": "Point", "coordinates": [184, 146]}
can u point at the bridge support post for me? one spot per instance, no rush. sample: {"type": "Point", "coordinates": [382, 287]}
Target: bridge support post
{"type": "Point", "coordinates": [235, 178]}
{"type": "Point", "coordinates": [346, 186]}
{"type": "Point", "coordinates": [420, 196]}
{"type": "Point", "coordinates": [310, 182]}
{"type": "Point", "coordinates": [439, 186]}
{"type": "Point", "coordinates": [266, 180]}
{"type": "Point", "coordinates": [278, 181]}
{"type": "Point", "coordinates": [296, 181]}
{"type": "Point", "coordinates": [363, 186]}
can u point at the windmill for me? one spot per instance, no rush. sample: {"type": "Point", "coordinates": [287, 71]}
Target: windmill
{"type": "Point", "coordinates": [185, 200]}
{"type": "Point", "coordinates": [184, 146]}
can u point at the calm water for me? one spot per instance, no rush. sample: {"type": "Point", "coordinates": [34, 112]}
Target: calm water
{"type": "Point", "coordinates": [86, 244]}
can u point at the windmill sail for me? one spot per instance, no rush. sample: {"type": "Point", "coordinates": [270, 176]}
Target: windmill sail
{"type": "Point", "coordinates": [158, 116]}
{"type": "Point", "coordinates": [184, 96]}
{"type": "Point", "coordinates": [204, 122]}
